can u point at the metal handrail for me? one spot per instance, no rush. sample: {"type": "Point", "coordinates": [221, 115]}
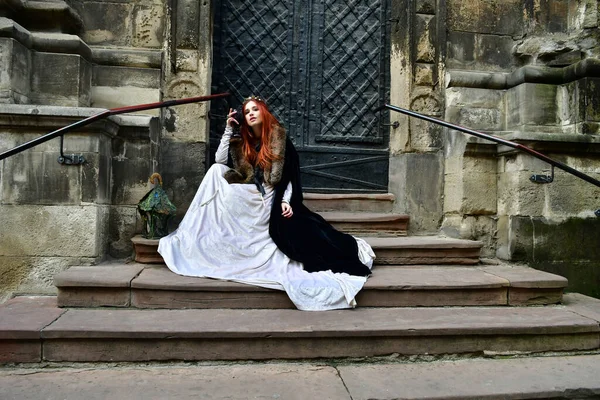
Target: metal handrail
{"type": "Point", "coordinates": [496, 139]}
{"type": "Point", "coordinates": [104, 114]}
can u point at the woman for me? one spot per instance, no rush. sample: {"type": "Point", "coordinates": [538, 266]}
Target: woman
{"type": "Point", "coordinates": [226, 233]}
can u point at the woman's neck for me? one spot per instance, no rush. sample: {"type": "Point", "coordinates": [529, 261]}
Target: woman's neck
{"type": "Point", "coordinates": [256, 132]}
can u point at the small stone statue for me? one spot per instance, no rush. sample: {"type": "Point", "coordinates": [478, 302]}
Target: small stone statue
{"type": "Point", "coordinates": [155, 209]}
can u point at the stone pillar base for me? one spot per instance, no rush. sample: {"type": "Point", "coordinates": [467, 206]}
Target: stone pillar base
{"type": "Point", "coordinates": [146, 250]}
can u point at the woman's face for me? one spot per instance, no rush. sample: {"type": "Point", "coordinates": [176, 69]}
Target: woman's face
{"type": "Point", "coordinates": [253, 115]}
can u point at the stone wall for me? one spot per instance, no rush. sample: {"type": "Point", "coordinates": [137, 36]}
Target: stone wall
{"type": "Point", "coordinates": [53, 215]}
{"type": "Point", "coordinates": [58, 59]}
{"type": "Point", "coordinates": [527, 74]}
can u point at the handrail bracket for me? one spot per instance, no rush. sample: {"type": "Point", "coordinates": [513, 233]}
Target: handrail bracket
{"type": "Point", "coordinates": [543, 178]}
{"type": "Point", "coordinates": [72, 159]}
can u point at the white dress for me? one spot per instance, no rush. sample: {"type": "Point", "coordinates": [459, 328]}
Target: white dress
{"type": "Point", "coordinates": [225, 235]}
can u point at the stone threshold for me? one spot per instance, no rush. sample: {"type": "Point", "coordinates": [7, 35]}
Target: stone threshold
{"type": "Point", "coordinates": [35, 329]}
{"type": "Point", "coordinates": [143, 286]}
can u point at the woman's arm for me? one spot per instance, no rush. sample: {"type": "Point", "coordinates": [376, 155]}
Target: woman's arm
{"type": "Point", "coordinates": [286, 208]}
{"type": "Point", "coordinates": [223, 150]}
{"type": "Point", "coordinates": [287, 195]}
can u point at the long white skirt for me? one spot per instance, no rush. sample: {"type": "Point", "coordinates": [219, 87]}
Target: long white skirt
{"type": "Point", "coordinates": [225, 235]}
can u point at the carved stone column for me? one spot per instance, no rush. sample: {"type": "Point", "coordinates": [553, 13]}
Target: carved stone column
{"type": "Point", "coordinates": [416, 159]}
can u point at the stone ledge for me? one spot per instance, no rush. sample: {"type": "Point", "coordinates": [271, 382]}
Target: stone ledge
{"type": "Point", "coordinates": [20, 116]}
{"type": "Point", "coordinates": [589, 67]}
{"type": "Point", "coordinates": [127, 57]}
{"type": "Point", "coordinates": [48, 42]}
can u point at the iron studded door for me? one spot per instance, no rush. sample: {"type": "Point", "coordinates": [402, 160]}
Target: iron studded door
{"type": "Point", "coordinates": [323, 67]}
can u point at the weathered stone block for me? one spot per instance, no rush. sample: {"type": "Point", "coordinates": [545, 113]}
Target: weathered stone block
{"type": "Point", "coordinates": [122, 96]}
{"type": "Point", "coordinates": [69, 88]}
{"type": "Point", "coordinates": [550, 15]}
{"type": "Point", "coordinates": [470, 186]}
{"type": "Point", "coordinates": [518, 196]}
{"type": "Point", "coordinates": [107, 23]}
{"type": "Point", "coordinates": [126, 76]}
{"type": "Point", "coordinates": [188, 33]}
{"type": "Point", "coordinates": [494, 51]}
{"type": "Point", "coordinates": [32, 274]}
{"type": "Point", "coordinates": [418, 189]}
{"type": "Point", "coordinates": [59, 231]}
{"type": "Point", "coordinates": [15, 69]}
{"type": "Point", "coordinates": [424, 34]}
{"type": "Point", "coordinates": [132, 165]}
{"type": "Point", "coordinates": [481, 228]}
{"type": "Point", "coordinates": [531, 104]}
{"type": "Point", "coordinates": [186, 168]}
{"type": "Point", "coordinates": [33, 177]}
{"type": "Point", "coordinates": [487, 16]}
{"type": "Point", "coordinates": [487, 119]}
{"type": "Point", "coordinates": [566, 196]}
{"type": "Point", "coordinates": [149, 25]}
{"type": "Point", "coordinates": [425, 6]}
{"type": "Point", "coordinates": [96, 177]}
{"type": "Point", "coordinates": [424, 74]}
{"type": "Point", "coordinates": [460, 49]}
{"type": "Point", "coordinates": [474, 97]}
{"type": "Point", "coordinates": [187, 60]}
{"type": "Point", "coordinates": [425, 136]}
{"type": "Point", "coordinates": [124, 223]}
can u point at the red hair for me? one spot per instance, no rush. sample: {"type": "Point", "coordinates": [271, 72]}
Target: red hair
{"type": "Point", "coordinates": [265, 157]}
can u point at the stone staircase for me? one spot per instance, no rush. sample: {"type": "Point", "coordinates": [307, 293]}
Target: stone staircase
{"type": "Point", "coordinates": [427, 296]}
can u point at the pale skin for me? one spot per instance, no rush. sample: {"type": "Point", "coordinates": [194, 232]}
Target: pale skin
{"type": "Point", "coordinates": [254, 120]}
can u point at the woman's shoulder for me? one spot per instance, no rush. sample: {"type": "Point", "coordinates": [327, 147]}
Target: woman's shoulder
{"type": "Point", "coordinates": [278, 131]}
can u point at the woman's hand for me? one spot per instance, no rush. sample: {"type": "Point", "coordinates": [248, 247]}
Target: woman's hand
{"type": "Point", "coordinates": [286, 210]}
{"type": "Point", "coordinates": [230, 118]}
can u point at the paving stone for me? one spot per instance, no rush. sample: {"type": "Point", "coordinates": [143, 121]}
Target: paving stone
{"type": "Point", "coordinates": [271, 381]}
{"type": "Point", "coordinates": [583, 305]}
{"type": "Point", "coordinates": [21, 321]}
{"type": "Point", "coordinates": [522, 378]}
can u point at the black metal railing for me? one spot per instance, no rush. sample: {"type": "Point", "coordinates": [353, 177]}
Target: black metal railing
{"type": "Point", "coordinates": [99, 116]}
{"type": "Point", "coordinates": [514, 145]}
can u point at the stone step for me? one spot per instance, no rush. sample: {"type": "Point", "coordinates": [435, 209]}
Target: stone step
{"type": "Point", "coordinates": [430, 250]}
{"type": "Point", "coordinates": [143, 286]}
{"type": "Point", "coordinates": [355, 202]}
{"type": "Point", "coordinates": [413, 250]}
{"type": "Point", "coordinates": [368, 223]}
{"type": "Point", "coordinates": [35, 329]}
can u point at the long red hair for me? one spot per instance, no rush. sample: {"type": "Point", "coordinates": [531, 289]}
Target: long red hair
{"type": "Point", "coordinates": [265, 157]}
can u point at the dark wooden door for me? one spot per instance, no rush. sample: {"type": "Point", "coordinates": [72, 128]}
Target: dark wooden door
{"type": "Point", "coordinates": [322, 66]}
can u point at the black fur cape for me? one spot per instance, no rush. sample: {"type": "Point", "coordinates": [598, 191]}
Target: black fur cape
{"type": "Point", "coordinates": [306, 236]}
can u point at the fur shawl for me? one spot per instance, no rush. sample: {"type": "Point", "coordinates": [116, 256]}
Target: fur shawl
{"type": "Point", "coordinates": [243, 171]}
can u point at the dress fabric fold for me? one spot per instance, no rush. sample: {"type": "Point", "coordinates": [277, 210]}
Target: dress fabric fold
{"type": "Point", "coordinates": [225, 235]}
